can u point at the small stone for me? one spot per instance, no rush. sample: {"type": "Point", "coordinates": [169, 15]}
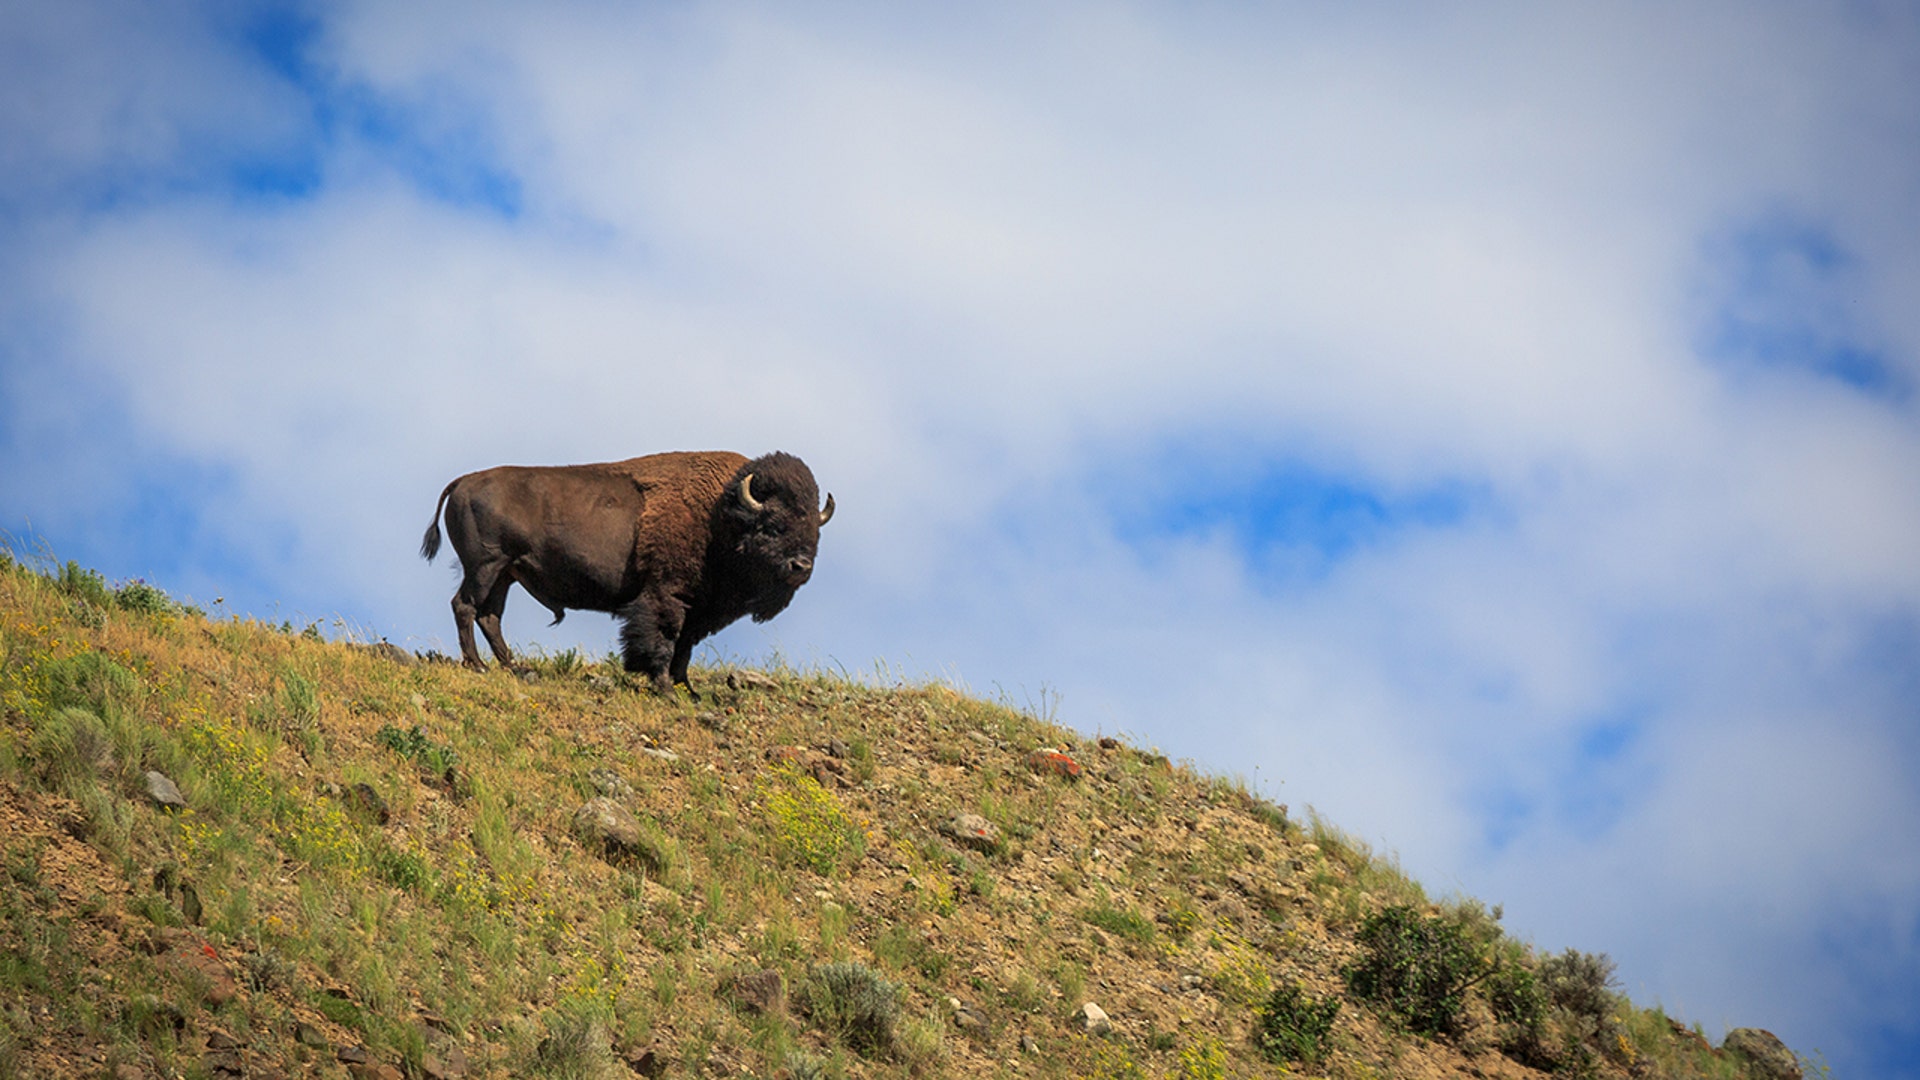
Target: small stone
{"type": "Point", "coordinates": [609, 825]}
{"type": "Point", "coordinates": [1108, 742]}
{"type": "Point", "coordinates": [759, 992]}
{"type": "Point", "coordinates": [1054, 761]}
{"type": "Point", "coordinates": [969, 1019]}
{"type": "Point", "coordinates": [164, 791]}
{"type": "Point", "coordinates": [387, 650]}
{"type": "Point", "coordinates": [1092, 1019]}
{"type": "Point", "coordinates": [1029, 1044]}
{"type": "Point", "coordinates": [129, 1071]}
{"type": "Point", "coordinates": [220, 1040]}
{"type": "Point", "coordinates": [649, 1063]}
{"type": "Point", "coordinates": [192, 960]}
{"type": "Point", "coordinates": [972, 830]}
{"type": "Point", "coordinates": [838, 748]}
{"type": "Point", "coordinates": [307, 1035]}
{"type": "Point", "coordinates": [610, 783]}
{"type": "Point", "coordinates": [1768, 1057]}
{"type": "Point", "coordinates": [352, 1055]}
{"type": "Point", "coordinates": [742, 679]}
{"type": "Point", "coordinates": [366, 803]}
{"type": "Point", "coordinates": [663, 755]}
{"type": "Point", "coordinates": [449, 1063]}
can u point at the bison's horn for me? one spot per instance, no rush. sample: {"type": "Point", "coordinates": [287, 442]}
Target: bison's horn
{"type": "Point", "coordinates": [826, 512]}
{"type": "Point", "coordinates": [746, 494]}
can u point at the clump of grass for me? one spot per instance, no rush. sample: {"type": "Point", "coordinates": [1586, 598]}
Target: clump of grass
{"type": "Point", "coordinates": [1416, 968]}
{"type": "Point", "coordinates": [903, 948]}
{"type": "Point", "coordinates": [1292, 1026]}
{"type": "Point", "coordinates": [851, 1001]}
{"type": "Point", "coordinates": [578, 1045]}
{"type": "Point", "coordinates": [1120, 921]}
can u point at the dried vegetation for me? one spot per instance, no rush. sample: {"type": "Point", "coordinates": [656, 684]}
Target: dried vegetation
{"type": "Point", "coordinates": [379, 866]}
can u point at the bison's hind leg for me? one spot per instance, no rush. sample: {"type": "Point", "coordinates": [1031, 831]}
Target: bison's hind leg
{"type": "Point", "coordinates": [481, 599]}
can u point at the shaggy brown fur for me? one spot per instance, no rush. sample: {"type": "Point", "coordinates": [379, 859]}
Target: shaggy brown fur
{"type": "Point", "coordinates": [676, 546]}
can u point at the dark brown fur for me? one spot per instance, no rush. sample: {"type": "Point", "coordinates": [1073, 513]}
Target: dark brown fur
{"type": "Point", "coordinates": [667, 543]}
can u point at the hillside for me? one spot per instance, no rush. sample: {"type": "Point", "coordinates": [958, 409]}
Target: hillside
{"type": "Point", "coordinates": [237, 850]}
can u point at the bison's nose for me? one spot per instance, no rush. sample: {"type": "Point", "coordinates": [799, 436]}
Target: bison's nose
{"type": "Point", "coordinates": [800, 564]}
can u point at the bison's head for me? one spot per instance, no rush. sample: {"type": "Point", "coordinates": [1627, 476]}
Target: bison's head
{"type": "Point", "coordinates": [774, 527]}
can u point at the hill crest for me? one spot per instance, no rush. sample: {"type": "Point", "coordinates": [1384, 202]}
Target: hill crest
{"type": "Point", "coordinates": [384, 866]}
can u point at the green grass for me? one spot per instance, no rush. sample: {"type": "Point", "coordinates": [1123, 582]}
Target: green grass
{"type": "Point", "coordinates": [1227, 938]}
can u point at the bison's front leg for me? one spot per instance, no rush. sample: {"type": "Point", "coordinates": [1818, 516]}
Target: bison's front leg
{"type": "Point", "coordinates": [650, 637]}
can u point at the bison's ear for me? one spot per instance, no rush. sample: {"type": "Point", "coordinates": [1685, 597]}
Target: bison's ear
{"type": "Point", "coordinates": [826, 512]}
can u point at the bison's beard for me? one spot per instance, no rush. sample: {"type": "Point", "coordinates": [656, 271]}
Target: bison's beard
{"type": "Point", "coordinates": [770, 602]}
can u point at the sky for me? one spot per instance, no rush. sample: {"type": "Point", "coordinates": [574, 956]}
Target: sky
{"type": "Point", "coordinates": [1493, 426]}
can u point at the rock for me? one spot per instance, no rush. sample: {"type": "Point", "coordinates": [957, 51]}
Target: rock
{"type": "Point", "coordinates": [742, 679]}
{"type": "Point", "coordinates": [224, 1063]}
{"type": "Point", "coordinates": [220, 1040]}
{"type": "Point", "coordinates": [1768, 1057]}
{"type": "Point", "coordinates": [366, 804]}
{"type": "Point", "coordinates": [387, 650]}
{"type": "Point", "coordinates": [307, 1035]}
{"type": "Point", "coordinates": [352, 1055]}
{"type": "Point", "coordinates": [193, 961]}
{"type": "Point", "coordinates": [1049, 760]}
{"type": "Point", "coordinates": [969, 1019]}
{"type": "Point", "coordinates": [1682, 1032]}
{"type": "Point", "coordinates": [1092, 1019]}
{"type": "Point", "coordinates": [759, 992]}
{"type": "Point", "coordinates": [656, 752]}
{"type": "Point", "coordinates": [649, 1063]}
{"type": "Point", "coordinates": [448, 1063]}
{"type": "Point", "coordinates": [1029, 1044]}
{"type": "Point", "coordinates": [972, 830]}
{"type": "Point", "coordinates": [609, 826]}
{"type": "Point", "coordinates": [164, 792]}
{"type": "Point", "coordinates": [610, 783]}
{"type": "Point", "coordinates": [128, 1071]}
{"type": "Point", "coordinates": [838, 748]}
{"type": "Point", "coordinates": [375, 1071]}
{"type": "Point", "coordinates": [1108, 742]}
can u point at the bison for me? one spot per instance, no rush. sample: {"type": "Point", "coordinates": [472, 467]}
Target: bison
{"type": "Point", "coordinates": [676, 546]}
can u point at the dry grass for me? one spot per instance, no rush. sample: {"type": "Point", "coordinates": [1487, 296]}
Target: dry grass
{"type": "Point", "coordinates": [383, 855]}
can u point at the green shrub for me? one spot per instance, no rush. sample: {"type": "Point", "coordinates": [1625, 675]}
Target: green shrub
{"type": "Point", "coordinates": [438, 759]}
{"type": "Point", "coordinates": [853, 1002]}
{"type": "Point", "coordinates": [1581, 983]}
{"type": "Point", "coordinates": [141, 598]}
{"type": "Point", "coordinates": [83, 584]}
{"type": "Point", "coordinates": [1292, 1026]}
{"type": "Point", "coordinates": [1416, 968]}
{"type": "Point", "coordinates": [1519, 1005]}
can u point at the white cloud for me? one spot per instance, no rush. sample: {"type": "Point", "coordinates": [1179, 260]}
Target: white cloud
{"type": "Point", "coordinates": [984, 274]}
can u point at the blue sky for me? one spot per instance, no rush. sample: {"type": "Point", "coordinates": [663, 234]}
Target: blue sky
{"type": "Point", "coordinates": [1495, 428]}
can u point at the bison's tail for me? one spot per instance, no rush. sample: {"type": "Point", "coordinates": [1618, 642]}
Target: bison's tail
{"type": "Point", "coordinates": [430, 543]}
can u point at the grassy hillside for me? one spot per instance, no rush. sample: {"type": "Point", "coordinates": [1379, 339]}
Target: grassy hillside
{"type": "Point", "coordinates": [383, 866]}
